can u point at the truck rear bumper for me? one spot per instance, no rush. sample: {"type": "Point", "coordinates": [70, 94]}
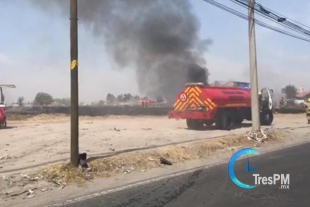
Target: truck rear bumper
{"type": "Point", "coordinates": [189, 115]}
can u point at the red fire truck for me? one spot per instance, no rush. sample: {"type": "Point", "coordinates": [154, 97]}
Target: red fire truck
{"type": "Point", "coordinates": [3, 122]}
{"type": "Point", "coordinates": [223, 106]}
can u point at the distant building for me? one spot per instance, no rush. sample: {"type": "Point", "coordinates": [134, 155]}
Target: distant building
{"type": "Point", "coordinates": [146, 102]}
{"type": "Point", "coordinates": [303, 95]}
{"type": "Point", "coordinates": [300, 90]}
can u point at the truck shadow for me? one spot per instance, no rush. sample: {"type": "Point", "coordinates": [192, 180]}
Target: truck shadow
{"type": "Point", "coordinates": [213, 127]}
{"type": "Point", "coordinates": [8, 127]}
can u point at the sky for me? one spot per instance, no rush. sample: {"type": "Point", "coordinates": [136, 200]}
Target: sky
{"type": "Point", "coordinates": [35, 56]}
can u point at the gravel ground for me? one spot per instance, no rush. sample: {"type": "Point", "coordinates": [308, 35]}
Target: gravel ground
{"type": "Point", "coordinates": [42, 140]}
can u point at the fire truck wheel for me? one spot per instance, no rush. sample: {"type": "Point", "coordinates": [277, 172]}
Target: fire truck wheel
{"type": "Point", "coordinates": [194, 124]}
{"type": "Point", "coordinates": [227, 121]}
{"type": "Point", "coordinates": [209, 123]}
{"type": "Point", "coordinates": [266, 118]}
{"type": "Point", "coordinates": [198, 124]}
{"type": "Point", "coordinates": [189, 123]}
{"type": "Point", "coordinates": [238, 120]}
{"type": "Point", "coordinates": [218, 123]}
{"type": "Point", "coordinates": [3, 125]}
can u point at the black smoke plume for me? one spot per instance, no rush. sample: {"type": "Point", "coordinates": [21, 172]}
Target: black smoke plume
{"type": "Point", "coordinates": [159, 38]}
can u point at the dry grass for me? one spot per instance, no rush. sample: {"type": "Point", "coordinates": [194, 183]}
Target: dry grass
{"type": "Point", "coordinates": [19, 117]}
{"type": "Point", "coordinates": [48, 117]}
{"type": "Point", "coordinates": [15, 117]}
{"type": "Point", "coordinates": [137, 161]}
{"type": "Point", "coordinates": [35, 117]}
{"type": "Point", "coordinates": [203, 149]}
{"type": "Point", "coordinates": [102, 167]}
{"type": "Point", "coordinates": [63, 172]}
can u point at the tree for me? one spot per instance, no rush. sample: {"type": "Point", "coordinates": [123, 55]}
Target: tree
{"type": "Point", "coordinates": [160, 99]}
{"type": "Point", "coordinates": [43, 99]}
{"type": "Point", "coordinates": [127, 97]}
{"type": "Point", "coordinates": [136, 97]}
{"type": "Point", "coordinates": [20, 101]}
{"type": "Point", "coordinates": [110, 98]}
{"type": "Point", "coordinates": [120, 98]}
{"type": "Point", "coordinates": [100, 103]}
{"type": "Point", "coordinates": [290, 91]}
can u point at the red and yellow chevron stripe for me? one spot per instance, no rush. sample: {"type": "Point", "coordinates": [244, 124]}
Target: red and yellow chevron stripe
{"type": "Point", "coordinates": [210, 104]}
{"type": "Point", "coordinates": [190, 98]}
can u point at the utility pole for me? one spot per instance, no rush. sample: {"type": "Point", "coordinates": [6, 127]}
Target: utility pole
{"type": "Point", "coordinates": [74, 84]}
{"type": "Point", "coordinates": [253, 70]}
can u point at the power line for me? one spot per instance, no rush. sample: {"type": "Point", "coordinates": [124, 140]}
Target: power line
{"type": "Point", "coordinates": [243, 16]}
{"type": "Point", "coordinates": [260, 23]}
{"type": "Point", "coordinates": [289, 19]}
{"type": "Point", "coordinates": [268, 10]}
{"type": "Point", "coordinates": [273, 17]}
{"type": "Point", "coordinates": [278, 18]}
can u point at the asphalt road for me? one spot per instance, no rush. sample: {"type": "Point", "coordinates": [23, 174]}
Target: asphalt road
{"type": "Point", "coordinates": [213, 188]}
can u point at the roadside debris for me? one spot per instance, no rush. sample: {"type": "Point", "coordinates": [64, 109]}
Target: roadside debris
{"type": "Point", "coordinates": [30, 194]}
{"type": "Point", "coordinates": [129, 170]}
{"type": "Point", "coordinates": [147, 129]}
{"type": "Point", "coordinates": [83, 160]}
{"type": "Point", "coordinates": [118, 130]}
{"type": "Point", "coordinates": [7, 157]}
{"type": "Point", "coordinates": [32, 179]}
{"type": "Point", "coordinates": [165, 161]}
{"type": "Point", "coordinates": [30, 191]}
{"type": "Point", "coordinates": [63, 186]}
{"type": "Point", "coordinates": [59, 184]}
{"type": "Point", "coordinates": [257, 136]}
{"type": "Point", "coordinates": [85, 168]}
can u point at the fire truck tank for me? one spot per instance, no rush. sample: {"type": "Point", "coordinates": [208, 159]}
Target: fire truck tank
{"type": "Point", "coordinates": [227, 96]}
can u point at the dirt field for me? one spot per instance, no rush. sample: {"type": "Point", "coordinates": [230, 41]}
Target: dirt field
{"type": "Point", "coordinates": [46, 139]}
